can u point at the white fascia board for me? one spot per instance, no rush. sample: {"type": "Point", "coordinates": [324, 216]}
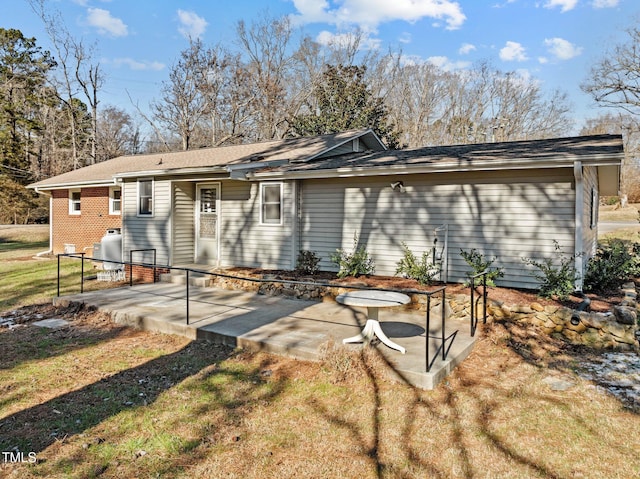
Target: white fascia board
{"type": "Point", "coordinates": [74, 184]}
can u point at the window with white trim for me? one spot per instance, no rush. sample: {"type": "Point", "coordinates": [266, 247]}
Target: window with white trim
{"type": "Point", "coordinates": [145, 197]}
{"type": "Point", "coordinates": [271, 203]}
{"type": "Point", "coordinates": [74, 202]}
{"type": "Point", "coordinates": [115, 200]}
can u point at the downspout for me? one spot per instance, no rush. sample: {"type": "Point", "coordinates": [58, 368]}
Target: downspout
{"type": "Point", "coordinates": [578, 230]}
{"type": "Point", "coordinates": [50, 250]}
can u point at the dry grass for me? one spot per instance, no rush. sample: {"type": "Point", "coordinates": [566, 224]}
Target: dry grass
{"type": "Point", "coordinates": [616, 213]}
{"type": "Point", "coordinates": [97, 400]}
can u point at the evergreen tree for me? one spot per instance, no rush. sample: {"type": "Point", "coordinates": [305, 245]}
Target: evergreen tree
{"type": "Point", "coordinates": [23, 71]}
{"type": "Point", "coordinates": [344, 102]}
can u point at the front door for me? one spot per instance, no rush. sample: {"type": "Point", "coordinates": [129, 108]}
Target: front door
{"type": "Point", "coordinates": [207, 208]}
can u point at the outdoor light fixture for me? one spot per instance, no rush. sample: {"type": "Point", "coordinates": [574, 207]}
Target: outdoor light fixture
{"type": "Point", "coordinates": [398, 185]}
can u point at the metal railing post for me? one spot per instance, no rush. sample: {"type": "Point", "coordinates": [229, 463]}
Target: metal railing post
{"type": "Point", "coordinates": [443, 336]}
{"type": "Point", "coordinates": [426, 334]}
{"type": "Point", "coordinates": [58, 294]}
{"type": "Point", "coordinates": [474, 321]}
{"type": "Point", "coordinates": [484, 298]}
{"type": "Point", "coordinates": [130, 267]}
{"type": "Point", "coordinates": [81, 273]}
{"type": "Point", "coordinates": [187, 283]}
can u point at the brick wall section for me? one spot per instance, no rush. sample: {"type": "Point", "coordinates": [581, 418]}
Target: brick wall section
{"type": "Point", "coordinates": [84, 229]}
{"type": "Point", "coordinates": [142, 274]}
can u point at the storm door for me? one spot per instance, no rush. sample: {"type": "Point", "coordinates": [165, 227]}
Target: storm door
{"type": "Point", "coordinates": [207, 210]}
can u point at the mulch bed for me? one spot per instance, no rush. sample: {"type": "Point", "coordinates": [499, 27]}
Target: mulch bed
{"type": "Point", "coordinates": [600, 302]}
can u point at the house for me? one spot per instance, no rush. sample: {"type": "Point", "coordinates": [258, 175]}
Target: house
{"type": "Point", "coordinates": [258, 205]}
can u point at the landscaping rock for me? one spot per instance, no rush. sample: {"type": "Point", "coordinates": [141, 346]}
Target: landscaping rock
{"type": "Point", "coordinates": [625, 314]}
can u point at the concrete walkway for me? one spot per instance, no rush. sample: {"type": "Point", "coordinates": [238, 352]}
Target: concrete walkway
{"type": "Point", "coordinates": [289, 327]}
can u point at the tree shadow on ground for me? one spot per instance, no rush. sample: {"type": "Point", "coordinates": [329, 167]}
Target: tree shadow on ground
{"type": "Point", "coordinates": [468, 412]}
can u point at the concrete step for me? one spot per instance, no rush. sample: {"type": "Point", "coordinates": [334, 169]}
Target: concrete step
{"type": "Point", "coordinates": [195, 279]}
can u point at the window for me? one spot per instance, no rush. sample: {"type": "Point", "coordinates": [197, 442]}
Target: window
{"type": "Point", "coordinates": [145, 197]}
{"type": "Point", "coordinates": [271, 203]}
{"type": "Point", "coordinates": [74, 202]}
{"type": "Point", "coordinates": [115, 201]}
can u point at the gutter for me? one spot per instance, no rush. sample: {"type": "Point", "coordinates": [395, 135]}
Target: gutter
{"type": "Point", "coordinates": [42, 189]}
{"type": "Point", "coordinates": [386, 170]}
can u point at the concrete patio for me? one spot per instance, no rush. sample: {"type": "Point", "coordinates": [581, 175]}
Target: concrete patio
{"type": "Point", "coordinates": [295, 328]}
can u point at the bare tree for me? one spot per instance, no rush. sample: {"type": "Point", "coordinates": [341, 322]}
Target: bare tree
{"type": "Point", "coordinates": [182, 105]}
{"type": "Point", "coordinates": [117, 134]}
{"type": "Point", "coordinates": [266, 45]}
{"type": "Point", "coordinates": [614, 81]}
{"type": "Point", "coordinates": [627, 126]}
{"type": "Point", "coordinates": [78, 73]}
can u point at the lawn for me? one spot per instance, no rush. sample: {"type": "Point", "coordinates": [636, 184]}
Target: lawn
{"type": "Point", "coordinates": [96, 399]}
{"type": "Point", "coordinates": [26, 280]}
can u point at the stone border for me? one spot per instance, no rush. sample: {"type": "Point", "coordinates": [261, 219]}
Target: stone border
{"type": "Point", "coordinates": [618, 329]}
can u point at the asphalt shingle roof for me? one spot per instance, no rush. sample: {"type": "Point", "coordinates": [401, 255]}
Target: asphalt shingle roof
{"type": "Point", "coordinates": [504, 154]}
{"type": "Point", "coordinates": [294, 149]}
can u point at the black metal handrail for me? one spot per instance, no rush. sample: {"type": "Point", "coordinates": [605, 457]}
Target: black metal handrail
{"type": "Point", "coordinates": [444, 339]}
{"type": "Point", "coordinates": [442, 347]}
{"type": "Point", "coordinates": [474, 319]}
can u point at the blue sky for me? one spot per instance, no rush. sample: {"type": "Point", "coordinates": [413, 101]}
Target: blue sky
{"type": "Point", "coordinates": [555, 41]}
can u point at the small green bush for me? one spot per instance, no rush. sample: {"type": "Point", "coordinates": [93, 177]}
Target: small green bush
{"type": "Point", "coordinates": [356, 263]}
{"type": "Point", "coordinates": [423, 271]}
{"type": "Point", "coordinates": [307, 262]}
{"type": "Point", "coordinates": [557, 278]}
{"type": "Point", "coordinates": [613, 264]}
{"type": "Point", "coordinates": [478, 264]}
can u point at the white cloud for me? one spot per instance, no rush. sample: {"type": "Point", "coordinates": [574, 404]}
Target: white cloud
{"type": "Point", "coordinates": [562, 49]}
{"type": "Point", "coordinates": [368, 14]}
{"type": "Point", "coordinates": [513, 51]}
{"type": "Point", "coordinates": [137, 65]}
{"type": "Point", "coordinates": [105, 23]}
{"type": "Point", "coordinates": [565, 5]}
{"type": "Point", "coordinates": [405, 37]}
{"type": "Point", "coordinates": [605, 3]}
{"type": "Point", "coordinates": [445, 64]}
{"type": "Point", "coordinates": [543, 60]}
{"type": "Point", "coordinates": [191, 24]}
{"type": "Point", "coordinates": [347, 39]}
{"type": "Point", "coordinates": [466, 48]}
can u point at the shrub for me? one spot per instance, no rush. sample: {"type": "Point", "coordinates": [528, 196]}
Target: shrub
{"type": "Point", "coordinates": [356, 263]}
{"type": "Point", "coordinates": [557, 278]}
{"type": "Point", "coordinates": [478, 264]}
{"type": "Point", "coordinates": [423, 271]}
{"type": "Point", "coordinates": [613, 264]}
{"type": "Point", "coordinates": [307, 262]}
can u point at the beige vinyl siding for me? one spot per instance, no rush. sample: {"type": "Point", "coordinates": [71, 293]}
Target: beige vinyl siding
{"type": "Point", "coordinates": [143, 232]}
{"type": "Point", "coordinates": [509, 215]}
{"type": "Point", "coordinates": [246, 242]}
{"type": "Point", "coordinates": [183, 222]}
